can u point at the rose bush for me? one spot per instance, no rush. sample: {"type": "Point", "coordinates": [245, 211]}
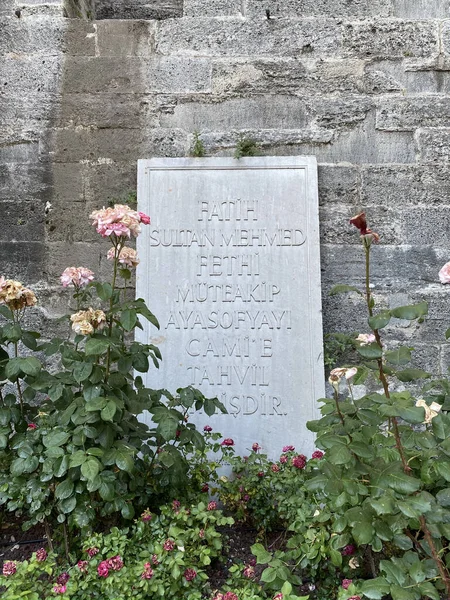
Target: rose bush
{"type": "Point", "coordinates": [72, 448]}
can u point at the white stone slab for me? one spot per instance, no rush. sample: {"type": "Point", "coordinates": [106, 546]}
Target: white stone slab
{"type": "Point", "coordinates": [230, 266]}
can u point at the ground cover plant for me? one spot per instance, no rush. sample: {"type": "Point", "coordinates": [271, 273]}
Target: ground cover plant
{"type": "Point", "coordinates": [133, 511]}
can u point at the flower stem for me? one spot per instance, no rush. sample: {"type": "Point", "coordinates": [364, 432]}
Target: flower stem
{"type": "Point", "coordinates": [437, 559]}
{"type": "Point", "coordinates": [118, 245]}
{"type": "Point", "coordinates": [19, 389]}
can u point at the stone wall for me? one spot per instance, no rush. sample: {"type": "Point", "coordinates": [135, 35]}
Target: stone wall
{"type": "Point", "coordinates": [362, 84]}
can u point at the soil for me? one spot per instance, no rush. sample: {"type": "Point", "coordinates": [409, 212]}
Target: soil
{"type": "Point", "coordinates": [16, 544]}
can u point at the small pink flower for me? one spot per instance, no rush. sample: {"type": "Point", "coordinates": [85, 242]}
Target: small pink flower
{"type": "Point", "coordinates": [288, 448]}
{"type": "Point", "coordinates": [83, 565]}
{"type": "Point", "coordinates": [32, 426]}
{"type": "Point", "coordinates": [127, 256]}
{"type": "Point", "coordinates": [201, 533]}
{"type": "Point", "coordinates": [278, 596]}
{"type": "Point", "coordinates": [41, 555]}
{"type": "Point", "coordinates": [365, 338]}
{"type": "Point", "coordinates": [146, 516]}
{"type": "Point", "coordinates": [115, 563]}
{"type": "Point", "coordinates": [145, 219]}
{"type": "Point", "coordinates": [63, 578]}
{"type": "Point", "coordinates": [256, 447]}
{"type": "Point", "coordinates": [283, 459]}
{"type": "Point", "coordinates": [346, 583]}
{"type": "Point", "coordinates": [103, 569]}
{"type": "Point", "coordinates": [246, 498]}
{"type": "Point", "coordinates": [155, 560]}
{"type": "Point", "coordinates": [275, 468]}
{"type": "Point", "coordinates": [355, 598]}
{"type": "Point", "coordinates": [299, 461]}
{"type": "Point", "coordinates": [205, 488]}
{"type": "Point", "coordinates": [92, 552]}
{"type": "Point", "coordinates": [261, 474]}
{"type": "Point", "coordinates": [348, 550]}
{"type": "Point", "coordinates": [444, 273]}
{"type": "Point", "coordinates": [190, 574]}
{"type": "Point", "coordinates": [317, 454]}
{"type": "Point", "coordinates": [176, 505]}
{"type": "Point", "coordinates": [252, 562]}
{"type": "Point", "coordinates": [207, 428]}
{"type": "Point", "coordinates": [148, 571]}
{"type": "Point", "coordinates": [249, 572]}
{"type": "Point", "coordinates": [9, 568]}
{"type": "Point", "coordinates": [230, 596]}
{"type": "Point", "coordinates": [76, 276]}
{"type": "Point", "coordinates": [169, 545]}
{"type": "Point", "coordinates": [228, 442]}
{"type": "Point", "coordinates": [212, 505]}
{"type": "Point", "coordinates": [59, 589]}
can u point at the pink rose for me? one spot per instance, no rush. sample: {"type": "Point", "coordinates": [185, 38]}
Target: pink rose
{"type": "Point", "coordinates": [103, 569]}
{"type": "Point", "coordinates": [41, 555]}
{"type": "Point", "coordinates": [346, 583]}
{"type": "Point", "coordinates": [145, 219]}
{"type": "Point", "coordinates": [299, 461]}
{"type": "Point", "coordinates": [190, 574]}
{"type": "Point", "coordinates": [444, 273]}
{"type": "Point", "coordinates": [148, 571]}
{"type": "Point", "coordinates": [288, 448]}
{"type": "Point", "coordinates": [275, 468]}
{"type": "Point", "coordinates": [317, 454]}
{"type": "Point", "coordinates": [366, 338]}
{"type": "Point", "coordinates": [9, 568]}
{"type": "Point", "coordinates": [227, 442]}
{"type": "Point", "coordinates": [32, 426]}
{"type": "Point", "coordinates": [59, 589]}
{"type": "Point", "coordinates": [76, 276]}
{"type": "Point", "coordinates": [212, 505]}
{"type": "Point", "coordinates": [256, 447]}
{"type": "Point", "coordinates": [207, 428]}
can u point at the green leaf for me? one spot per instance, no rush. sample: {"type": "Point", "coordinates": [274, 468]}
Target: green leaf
{"type": "Point", "coordinates": [401, 356]}
{"type": "Point", "coordinates": [128, 319]}
{"type": "Point", "coordinates": [411, 414]}
{"type": "Point", "coordinates": [90, 468]}
{"type": "Point", "coordinates": [55, 438]}
{"type": "Point", "coordinates": [13, 368]}
{"type": "Point", "coordinates": [82, 371]}
{"type": "Point", "coordinates": [97, 345]}
{"type": "Point", "coordinates": [125, 274]}
{"type": "Point", "coordinates": [124, 364]}
{"type": "Point", "coordinates": [124, 458]}
{"type": "Point", "coordinates": [64, 489]}
{"type": "Point", "coordinates": [78, 458]}
{"type": "Point", "coordinates": [342, 289]}
{"type": "Point", "coordinates": [104, 290]}
{"type": "Point", "coordinates": [68, 504]}
{"type": "Point", "coordinates": [336, 557]}
{"type": "Point", "coordinates": [412, 374]}
{"type": "Point", "coordinates": [167, 428]}
{"type": "Point", "coordinates": [380, 320]}
{"type": "Point", "coordinates": [376, 588]}
{"type": "Point", "coordinates": [262, 556]}
{"type": "Point", "coordinates": [127, 511]}
{"type": "Point", "coordinates": [30, 365]}
{"type": "Point", "coordinates": [427, 589]}
{"type": "Point", "coordinates": [443, 468]}
{"type": "Point", "coordinates": [401, 593]}
{"type": "Point", "coordinates": [340, 455]}
{"type": "Point", "coordinates": [403, 483]}
{"type": "Point", "coordinates": [447, 334]}
{"type": "Point", "coordinates": [370, 351]}
{"type": "Point", "coordinates": [443, 497]}
{"type": "Point", "coordinates": [363, 532]}
{"type": "Point", "coordinates": [109, 411]}
{"type": "Point", "coordinates": [410, 312]}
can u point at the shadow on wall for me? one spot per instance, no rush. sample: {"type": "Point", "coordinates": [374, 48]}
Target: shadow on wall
{"type": "Point", "coordinates": [124, 9]}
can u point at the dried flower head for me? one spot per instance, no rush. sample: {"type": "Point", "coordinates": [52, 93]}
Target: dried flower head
{"type": "Point", "coordinates": [15, 295]}
{"type": "Point", "coordinates": [127, 256]}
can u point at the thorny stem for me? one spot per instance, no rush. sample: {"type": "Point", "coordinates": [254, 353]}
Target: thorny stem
{"type": "Point", "coordinates": [19, 389]}
{"type": "Point", "coordinates": [392, 421]}
{"type": "Point", "coordinates": [118, 247]}
{"type": "Point", "coordinates": [336, 401]}
{"type": "Point", "coordinates": [437, 559]}
{"type": "Point", "coordinates": [48, 535]}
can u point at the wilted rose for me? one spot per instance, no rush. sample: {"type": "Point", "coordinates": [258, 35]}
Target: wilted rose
{"type": "Point", "coordinates": [431, 411]}
{"type": "Point", "coordinates": [444, 273]}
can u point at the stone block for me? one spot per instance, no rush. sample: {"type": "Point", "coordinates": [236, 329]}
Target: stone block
{"type": "Point", "coordinates": [46, 35]}
{"type": "Point", "coordinates": [339, 113]}
{"type": "Point", "coordinates": [22, 221]}
{"type": "Point", "coordinates": [312, 8]}
{"type": "Point", "coordinates": [69, 222]}
{"type": "Point", "coordinates": [426, 225]}
{"type": "Point", "coordinates": [81, 144]}
{"type": "Point", "coordinates": [108, 181]}
{"type": "Point", "coordinates": [434, 144]}
{"type": "Point", "coordinates": [402, 75]}
{"type": "Point", "coordinates": [22, 182]}
{"type": "Point", "coordinates": [213, 8]}
{"type": "Point", "coordinates": [339, 185]}
{"type": "Point", "coordinates": [65, 254]}
{"type": "Point", "coordinates": [23, 260]}
{"type": "Point", "coordinates": [407, 114]}
{"type": "Point", "coordinates": [30, 77]}
{"type": "Point", "coordinates": [132, 75]}
{"type": "Point", "coordinates": [23, 153]}
{"type": "Point", "coordinates": [68, 184]}
{"type": "Point", "coordinates": [445, 39]}
{"type": "Point", "coordinates": [232, 37]}
{"type": "Point", "coordinates": [426, 185]}
{"type": "Point", "coordinates": [125, 38]}
{"type": "Point", "coordinates": [390, 38]}
{"type": "Point", "coordinates": [270, 111]}
{"type": "Point", "coordinates": [421, 9]}
{"type": "Point", "coordinates": [138, 9]}
{"type": "Point", "coordinates": [106, 110]}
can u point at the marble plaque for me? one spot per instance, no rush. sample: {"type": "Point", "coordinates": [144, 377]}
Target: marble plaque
{"type": "Point", "coordinates": [230, 266]}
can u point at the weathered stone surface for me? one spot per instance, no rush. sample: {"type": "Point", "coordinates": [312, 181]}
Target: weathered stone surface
{"type": "Point", "coordinates": [434, 144]}
{"type": "Point", "coordinates": [79, 144]}
{"type": "Point", "coordinates": [382, 218]}
{"type": "Point", "coordinates": [389, 38]}
{"type": "Point", "coordinates": [138, 9]}
{"type": "Point", "coordinates": [309, 8]}
{"type": "Point", "coordinates": [46, 35]}
{"type": "Point", "coordinates": [407, 114]}
{"type": "Point", "coordinates": [425, 185]}
{"type": "Point", "coordinates": [35, 77]}
{"type": "Point", "coordinates": [237, 37]}
{"type": "Point", "coordinates": [24, 182]}
{"type": "Point", "coordinates": [339, 184]}
{"type": "Point", "coordinates": [22, 221]}
{"type": "Point", "coordinates": [125, 38]}
{"type": "Point", "coordinates": [405, 76]}
{"type": "Point", "coordinates": [213, 8]}
{"type": "Point", "coordinates": [265, 112]}
{"type": "Point", "coordinates": [106, 110]}
{"type": "Point", "coordinates": [109, 181]}
{"type": "Point", "coordinates": [434, 226]}
{"type": "Point", "coordinates": [421, 9]}
{"type": "Point", "coordinates": [136, 75]}
{"type": "Point", "coordinates": [23, 260]}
